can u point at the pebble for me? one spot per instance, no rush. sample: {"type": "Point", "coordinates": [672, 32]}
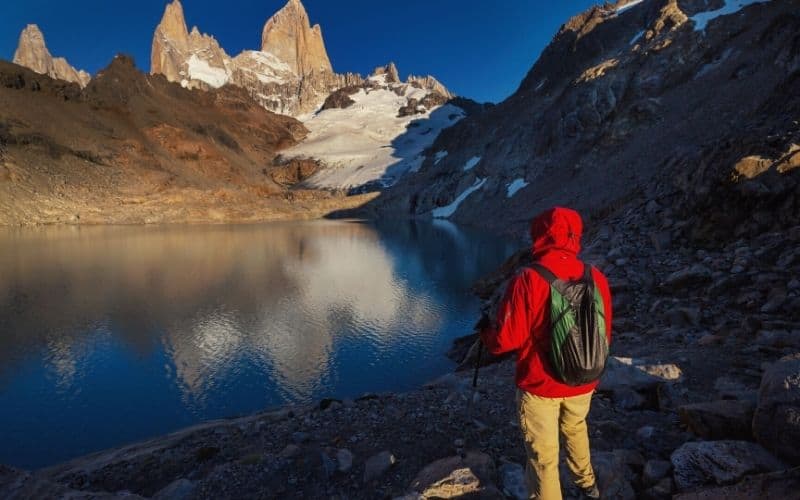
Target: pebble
{"type": "Point", "coordinates": [646, 432]}
{"type": "Point", "coordinates": [377, 465]}
{"type": "Point", "coordinates": [345, 459]}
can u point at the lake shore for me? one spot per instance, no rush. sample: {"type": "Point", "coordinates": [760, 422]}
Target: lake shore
{"type": "Point", "coordinates": [175, 206]}
{"type": "Point", "coordinates": [702, 355]}
{"type": "Point", "coordinates": [405, 445]}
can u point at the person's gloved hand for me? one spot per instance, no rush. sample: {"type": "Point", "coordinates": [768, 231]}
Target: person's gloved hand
{"type": "Point", "coordinates": [483, 323]}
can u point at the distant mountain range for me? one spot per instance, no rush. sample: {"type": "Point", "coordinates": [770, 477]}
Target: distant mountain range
{"type": "Point", "coordinates": [202, 134]}
{"type": "Point", "coordinates": [663, 100]}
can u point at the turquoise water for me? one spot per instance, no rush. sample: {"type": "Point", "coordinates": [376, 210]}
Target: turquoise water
{"type": "Point", "coordinates": [110, 335]}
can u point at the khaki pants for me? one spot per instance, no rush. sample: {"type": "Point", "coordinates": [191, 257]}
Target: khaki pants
{"type": "Point", "coordinates": [540, 421]}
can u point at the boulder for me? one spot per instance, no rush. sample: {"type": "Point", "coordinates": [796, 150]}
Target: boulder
{"type": "Point", "coordinates": [779, 339]}
{"type": "Point", "coordinates": [628, 399]}
{"type": "Point", "coordinates": [662, 489]}
{"type": "Point", "coordinates": [776, 424]}
{"type": "Point", "coordinates": [613, 474]}
{"type": "Point", "coordinates": [19, 484]}
{"type": "Point", "coordinates": [344, 459]}
{"type": "Point", "coordinates": [724, 419]}
{"type": "Point", "coordinates": [729, 388]}
{"type": "Point", "coordinates": [180, 489]}
{"type": "Point", "coordinates": [778, 485]}
{"type": "Point", "coordinates": [655, 470]}
{"type": "Point", "coordinates": [512, 481]}
{"type": "Point", "coordinates": [633, 383]}
{"type": "Point", "coordinates": [453, 477]}
{"type": "Point", "coordinates": [671, 396]}
{"type": "Point", "coordinates": [698, 464]}
{"type": "Point", "coordinates": [698, 273]}
{"type": "Point", "coordinates": [377, 465]}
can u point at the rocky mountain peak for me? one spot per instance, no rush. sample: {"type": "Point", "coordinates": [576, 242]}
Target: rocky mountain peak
{"type": "Point", "coordinates": [390, 70]}
{"type": "Point", "coordinates": [173, 23]}
{"type": "Point", "coordinates": [32, 51]}
{"type": "Point", "coordinates": [429, 83]}
{"type": "Point", "coordinates": [192, 58]}
{"type": "Point", "coordinates": [33, 54]}
{"type": "Point", "coordinates": [171, 35]}
{"type": "Point", "coordinates": [289, 36]}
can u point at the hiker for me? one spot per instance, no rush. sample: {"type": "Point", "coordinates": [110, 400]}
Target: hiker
{"type": "Point", "coordinates": [550, 400]}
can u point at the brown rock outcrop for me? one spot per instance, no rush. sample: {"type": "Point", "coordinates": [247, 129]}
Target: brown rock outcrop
{"type": "Point", "coordinates": [33, 54]}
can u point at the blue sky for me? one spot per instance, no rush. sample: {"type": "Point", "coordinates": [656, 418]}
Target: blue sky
{"type": "Point", "coordinates": [478, 48]}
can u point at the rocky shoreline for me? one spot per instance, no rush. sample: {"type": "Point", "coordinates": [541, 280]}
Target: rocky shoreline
{"type": "Point", "coordinates": [701, 401]}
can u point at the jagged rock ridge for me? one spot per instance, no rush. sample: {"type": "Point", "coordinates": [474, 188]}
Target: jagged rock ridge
{"type": "Point", "coordinates": [291, 74]}
{"type": "Point", "coordinates": [33, 54]}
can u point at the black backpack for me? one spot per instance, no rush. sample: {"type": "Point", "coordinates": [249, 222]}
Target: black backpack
{"type": "Point", "coordinates": [578, 345]}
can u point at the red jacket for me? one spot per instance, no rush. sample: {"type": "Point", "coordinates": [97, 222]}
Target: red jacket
{"type": "Point", "coordinates": [523, 317]}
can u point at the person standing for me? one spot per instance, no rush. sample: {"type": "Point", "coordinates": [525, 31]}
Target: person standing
{"type": "Point", "coordinates": [549, 401]}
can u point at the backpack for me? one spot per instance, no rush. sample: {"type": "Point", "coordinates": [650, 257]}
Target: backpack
{"type": "Point", "coordinates": [578, 345]}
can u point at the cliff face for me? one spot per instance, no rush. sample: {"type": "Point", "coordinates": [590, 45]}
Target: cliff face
{"type": "Point", "coordinates": [289, 36]}
{"type": "Point", "coordinates": [33, 54]}
{"type": "Point", "coordinates": [655, 100]}
{"type": "Point", "coordinates": [290, 75]}
{"type": "Point", "coordinates": [191, 58]}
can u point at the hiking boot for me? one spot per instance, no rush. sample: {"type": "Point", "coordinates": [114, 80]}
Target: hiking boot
{"type": "Point", "coordinates": [591, 492]}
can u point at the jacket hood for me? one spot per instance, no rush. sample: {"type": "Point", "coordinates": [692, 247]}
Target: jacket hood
{"type": "Point", "coordinates": [557, 229]}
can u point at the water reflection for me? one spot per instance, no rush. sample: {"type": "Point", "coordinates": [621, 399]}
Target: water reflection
{"type": "Point", "coordinates": [215, 321]}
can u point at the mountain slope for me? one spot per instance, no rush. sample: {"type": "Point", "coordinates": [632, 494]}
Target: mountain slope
{"type": "Point", "coordinates": [368, 136]}
{"type": "Point", "coordinates": [132, 148]}
{"type": "Point", "coordinates": [657, 100]}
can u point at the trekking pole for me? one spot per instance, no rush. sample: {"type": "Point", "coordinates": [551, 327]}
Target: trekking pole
{"type": "Point", "coordinates": [477, 367]}
{"type": "Point", "coordinates": [462, 451]}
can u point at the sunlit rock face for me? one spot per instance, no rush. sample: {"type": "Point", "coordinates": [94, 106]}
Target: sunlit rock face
{"type": "Point", "coordinates": [192, 58]}
{"type": "Point", "coordinates": [291, 74]}
{"type": "Point", "coordinates": [32, 53]}
{"type": "Point", "coordinates": [289, 36]}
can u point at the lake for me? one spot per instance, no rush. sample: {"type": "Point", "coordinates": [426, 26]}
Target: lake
{"type": "Point", "coordinates": [110, 335]}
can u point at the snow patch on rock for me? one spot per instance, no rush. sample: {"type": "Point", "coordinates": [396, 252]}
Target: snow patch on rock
{"type": "Point", "coordinates": [440, 155]}
{"type": "Point", "coordinates": [702, 19]}
{"type": "Point", "coordinates": [515, 186]}
{"type": "Point", "coordinates": [448, 210]}
{"type": "Point", "coordinates": [201, 70]}
{"type": "Point", "coordinates": [628, 6]}
{"type": "Point", "coordinates": [368, 141]}
{"type": "Point", "coordinates": [471, 163]}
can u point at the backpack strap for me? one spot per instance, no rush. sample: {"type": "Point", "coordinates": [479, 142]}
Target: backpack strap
{"type": "Point", "coordinates": [544, 273]}
{"type": "Point", "coordinates": [587, 274]}
{"type": "Point", "coordinates": [559, 284]}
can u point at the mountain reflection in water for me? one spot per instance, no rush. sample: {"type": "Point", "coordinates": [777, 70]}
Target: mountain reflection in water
{"type": "Point", "coordinates": [110, 334]}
